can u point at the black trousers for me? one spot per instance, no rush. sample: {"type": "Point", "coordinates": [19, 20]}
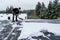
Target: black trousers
{"type": "Point", "coordinates": [15, 18]}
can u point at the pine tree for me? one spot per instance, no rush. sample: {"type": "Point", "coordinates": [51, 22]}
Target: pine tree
{"type": "Point", "coordinates": [49, 15]}
{"type": "Point", "coordinates": [43, 11]}
{"type": "Point", "coordinates": [52, 10]}
{"type": "Point", "coordinates": [55, 8]}
{"type": "Point", "coordinates": [55, 3]}
{"type": "Point", "coordinates": [38, 7]}
{"type": "Point", "coordinates": [9, 9]}
{"type": "Point", "coordinates": [58, 10]}
{"type": "Point", "coordinates": [43, 5]}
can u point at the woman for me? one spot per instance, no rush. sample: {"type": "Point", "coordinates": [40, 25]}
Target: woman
{"type": "Point", "coordinates": [15, 12]}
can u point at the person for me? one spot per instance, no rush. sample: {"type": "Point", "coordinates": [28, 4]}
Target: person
{"type": "Point", "coordinates": [15, 12]}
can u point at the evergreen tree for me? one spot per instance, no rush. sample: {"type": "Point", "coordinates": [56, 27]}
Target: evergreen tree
{"type": "Point", "coordinates": [55, 8]}
{"type": "Point", "coordinates": [52, 10]}
{"type": "Point", "coordinates": [55, 3]}
{"type": "Point", "coordinates": [58, 10]}
{"type": "Point", "coordinates": [43, 5]}
{"type": "Point", "coordinates": [43, 11]}
{"type": "Point", "coordinates": [38, 7]}
{"type": "Point", "coordinates": [49, 15]}
{"type": "Point", "coordinates": [9, 9]}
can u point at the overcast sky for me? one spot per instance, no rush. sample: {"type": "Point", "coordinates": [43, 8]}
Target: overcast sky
{"type": "Point", "coordinates": [24, 4]}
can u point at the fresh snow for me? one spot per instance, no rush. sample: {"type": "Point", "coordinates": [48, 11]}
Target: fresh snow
{"type": "Point", "coordinates": [29, 28]}
{"type": "Point", "coordinates": [5, 16]}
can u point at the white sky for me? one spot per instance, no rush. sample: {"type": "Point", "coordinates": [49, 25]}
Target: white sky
{"type": "Point", "coordinates": [24, 4]}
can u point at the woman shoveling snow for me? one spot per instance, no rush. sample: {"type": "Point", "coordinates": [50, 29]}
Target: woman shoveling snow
{"type": "Point", "coordinates": [16, 12]}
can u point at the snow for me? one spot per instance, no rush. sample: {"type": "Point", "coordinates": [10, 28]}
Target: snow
{"type": "Point", "coordinates": [5, 16]}
{"type": "Point", "coordinates": [29, 28]}
{"type": "Point", "coordinates": [1, 28]}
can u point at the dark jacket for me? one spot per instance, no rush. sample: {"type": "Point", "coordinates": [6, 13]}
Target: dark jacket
{"type": "Point", "coordinates": [15, 11]}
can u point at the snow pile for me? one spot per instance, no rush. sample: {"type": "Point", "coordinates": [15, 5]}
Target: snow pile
{"type": "Point", "coordinates": [30, 28]}
{"type": "Point", "coordinates": [42, 35]}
